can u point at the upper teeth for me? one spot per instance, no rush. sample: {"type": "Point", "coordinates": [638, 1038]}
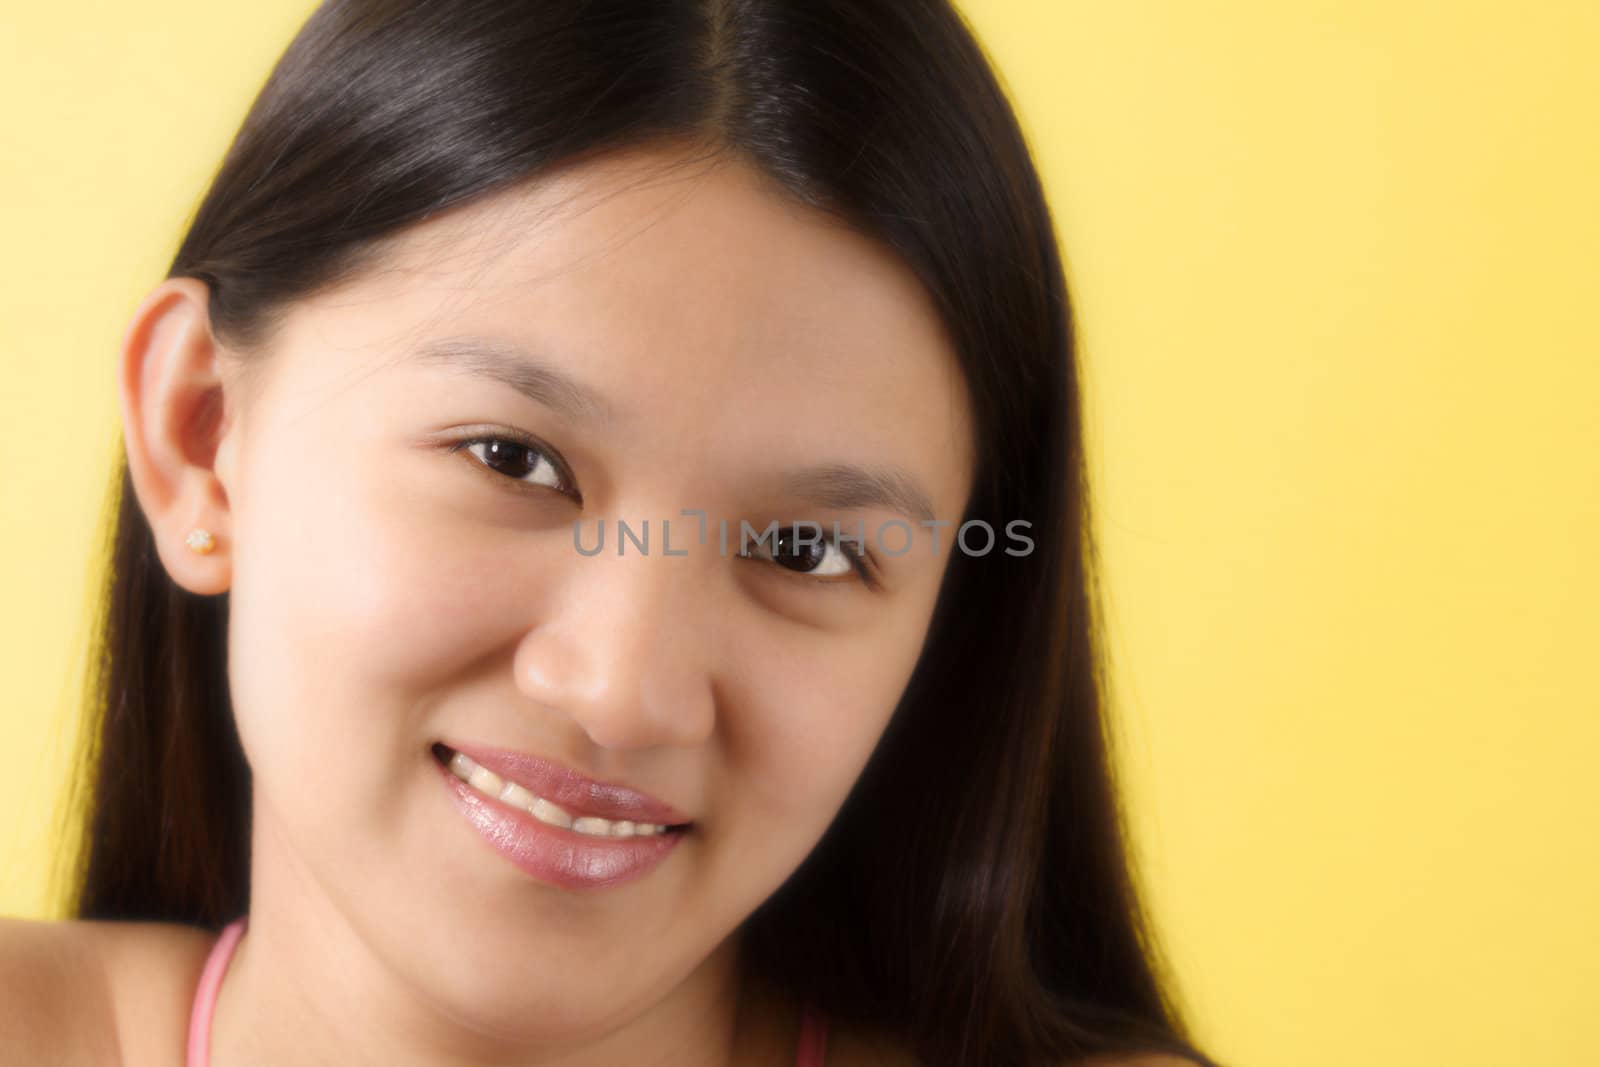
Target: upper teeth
{"type": "Point", "coordinates": [486, 781]}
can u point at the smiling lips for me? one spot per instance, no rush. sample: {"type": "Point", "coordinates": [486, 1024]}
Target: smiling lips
{"type": "Point", "coordinates": [518, 796]}
{"type": "Point", "coordinates": [610, 834]}
{"type": "Point", "coordinates": [575, 795]}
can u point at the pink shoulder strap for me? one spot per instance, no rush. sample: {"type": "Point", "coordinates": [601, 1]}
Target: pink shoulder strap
{"type": "Point", "coordinates": [205, 995]}
{"type": "Point", "coordinates": [813, 1039]}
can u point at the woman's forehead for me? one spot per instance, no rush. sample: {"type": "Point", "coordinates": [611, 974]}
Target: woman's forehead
{"type": "Point", "coordinates": [686, 300]}
{"type": "Point", "coordinates": [709, 258]}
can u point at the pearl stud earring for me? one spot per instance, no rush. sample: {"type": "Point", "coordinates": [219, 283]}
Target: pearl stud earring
{"type": "Point", "coordinates": [200, 540]}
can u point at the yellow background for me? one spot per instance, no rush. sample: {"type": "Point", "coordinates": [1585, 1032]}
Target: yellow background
{"type": "Point", "coordinates": [1336, 269]}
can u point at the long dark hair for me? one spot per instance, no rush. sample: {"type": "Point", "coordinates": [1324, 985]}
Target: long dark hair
{"type": "Point", "coordinates": [975, 898]}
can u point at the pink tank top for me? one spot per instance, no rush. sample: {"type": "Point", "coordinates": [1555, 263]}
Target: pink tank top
{"type": "Point", "coordinates": [813, 1027]}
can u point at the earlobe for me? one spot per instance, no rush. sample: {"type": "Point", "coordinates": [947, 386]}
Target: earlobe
{"type": "Point", "coordinates": [171, 399]}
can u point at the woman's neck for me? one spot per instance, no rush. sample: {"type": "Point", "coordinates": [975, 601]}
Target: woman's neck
{"type": "Point", "coordinates": [306, 987]}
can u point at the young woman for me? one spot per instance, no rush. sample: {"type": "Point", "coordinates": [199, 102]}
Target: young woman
{"type": "Point", "coordinates": [461, 703]}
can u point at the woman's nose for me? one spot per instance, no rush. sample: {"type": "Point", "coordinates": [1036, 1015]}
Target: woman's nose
{"type": "Point", "coordinates": [620, 653]}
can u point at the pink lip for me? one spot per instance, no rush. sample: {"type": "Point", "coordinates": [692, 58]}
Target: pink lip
{"type": "Point", "coordinates": [559, 857]}
{"type": "Point", "coordinates": [576, 793]}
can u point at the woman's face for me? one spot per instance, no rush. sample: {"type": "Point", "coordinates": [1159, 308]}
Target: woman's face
{"type": "Point", "coordinates": [704, 345]}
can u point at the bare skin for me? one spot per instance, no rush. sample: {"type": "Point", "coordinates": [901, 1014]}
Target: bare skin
{"type": "Point", "coordinates": [123, 992]}
{"type": "Point", "coordinates": [118, 994]}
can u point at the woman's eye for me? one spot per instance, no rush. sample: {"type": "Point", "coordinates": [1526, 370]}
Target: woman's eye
{"type": "Point", "coordinates": [812, 557]}
{"type": "Point", "coordinates": [519, 461]}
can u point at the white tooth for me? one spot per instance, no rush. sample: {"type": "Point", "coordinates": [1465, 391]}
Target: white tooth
{"type": "Point", "coordinates": [462, 767]}
{"type": "Point", "coordinates": [547, 812]}
{"type": "Point", "coordinates": [487, 781]}
{"type": "Point", "coordinates": [516, 796]}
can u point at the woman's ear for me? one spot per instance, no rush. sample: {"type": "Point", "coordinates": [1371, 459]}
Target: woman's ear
{"type": "Point", "coordinates": [175, 427]}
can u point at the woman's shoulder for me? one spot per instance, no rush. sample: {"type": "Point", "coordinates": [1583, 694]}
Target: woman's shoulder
{"type": "Point", "coordinates": [56, 996]}
{"type": "Point", "coordinates": [151, 970]}
{"type": "Point", "coordinates": [96, 991]}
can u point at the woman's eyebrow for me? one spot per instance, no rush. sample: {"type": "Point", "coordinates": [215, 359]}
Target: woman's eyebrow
{"type": "Point", "coordinates": [843, 486]}
{"type": "Point", "coordinates": [511, 364]}
{"type": "Point", "coordinates": [846, 487]}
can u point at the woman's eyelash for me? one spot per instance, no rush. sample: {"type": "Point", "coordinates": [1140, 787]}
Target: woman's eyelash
{"type": "Point", "coordinates": [537, 456]}
{"type": "Point", "coordinates": [532, 453]}
{"type": "Point", "coordinates": [859, 560]}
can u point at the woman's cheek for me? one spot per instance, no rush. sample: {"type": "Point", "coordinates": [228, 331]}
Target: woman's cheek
{"type": "Point", "coordinates": [806, 734]}
{"type": "Point", "coordinates": [437, 578]}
